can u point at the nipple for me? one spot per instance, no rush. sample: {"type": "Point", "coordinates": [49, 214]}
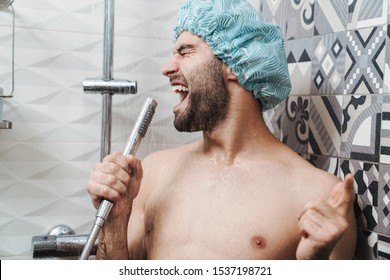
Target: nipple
{"type": "Point", "coordinates": [258, 242]}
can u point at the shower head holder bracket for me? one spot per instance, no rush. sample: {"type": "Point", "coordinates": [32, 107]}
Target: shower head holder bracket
{"type": "Point", "coordinates": [100, 86]}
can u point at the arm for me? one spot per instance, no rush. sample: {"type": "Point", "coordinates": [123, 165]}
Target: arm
{"type": "Point", "coordinates": [328, 228]}
{"type": "Point", "coordinates": [112, 180]}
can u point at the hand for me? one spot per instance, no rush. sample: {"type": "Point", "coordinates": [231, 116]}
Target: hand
{"type": "Point", "coordinates": [117, 178]}
{"type": "Point", "coordinates": [322, 224]}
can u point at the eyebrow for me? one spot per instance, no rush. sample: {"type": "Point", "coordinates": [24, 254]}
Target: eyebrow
{"type": "Point", "coordinates": [184, 47]}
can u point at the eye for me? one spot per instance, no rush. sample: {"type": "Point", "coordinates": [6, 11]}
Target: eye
{"type": "Point", "coordinates": [185, 50]}
{"type": "Point", "coordinates": [182, 52]}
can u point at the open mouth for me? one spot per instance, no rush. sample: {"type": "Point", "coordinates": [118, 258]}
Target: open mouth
{"type": "Point", "coordinates": [182, 91]}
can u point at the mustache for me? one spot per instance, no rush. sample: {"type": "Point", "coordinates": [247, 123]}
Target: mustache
{"type": "Point", "coordinates": [178, 79]}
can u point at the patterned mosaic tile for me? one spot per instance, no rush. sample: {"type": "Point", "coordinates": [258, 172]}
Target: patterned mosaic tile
{"type": "Point", "coordinates": [295, 123]}
{"type": "Point", "coordinates": [300, 65]}
{"type": "Point", "coordinates": [367, 245]}
{"type": "Point", "coordinates": [388, 11]}
{"type": "Point", "coordinates": [385, 131]}
{"type": "Point", "coordinates": [386, 86]}
{"type": "Point", "coordinates": [325, 125]}
{"type": "Point", "coordinates": [384, 200]}
{"type": "Point", "coordinates": [273, 119]}
{"type": "Point", "coordinates": [365, 60]}
{"type": "Point", "coordinates": [328, 164]}
{"type": "Point", "coordinates": [275, 11]}
{"type": "Point", "coordinates": [328, 64]}
{"type": "Point", "coordinates": [360, 137]}
{"type": "Point", "coordinates": [383, 247]}
{"type": "Point", "coordinates": [330, 16]}
{"type": "Point", "coordinates": [366, 176]}
{"type": "Point", "coordinates": [300, 20]}
{"type": "Point", "coordinates": [366, 13]}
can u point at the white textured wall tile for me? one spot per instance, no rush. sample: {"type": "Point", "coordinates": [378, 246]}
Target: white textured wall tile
{"type": "Point", "coordinates": [46, 159]}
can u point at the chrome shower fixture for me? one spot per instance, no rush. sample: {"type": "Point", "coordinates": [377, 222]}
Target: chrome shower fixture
{"type": "Point", "coordinates": [4, 4]}
{"type": "Point", "coordinates": [4, 124]}
{"type": "Point", "coordinates": [133, 142]}
{"type": "Point", "coordinates": [99, 86]}
{"type": "Point", "coordinates": [107, 86]}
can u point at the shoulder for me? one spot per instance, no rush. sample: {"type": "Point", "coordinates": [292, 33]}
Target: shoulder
{"type": "Point", "coordinates": [297, 172]}
{"type": "Point", "coordinates": [313, 182]}
{"type": "Point", "coordinates": [168, 155]}
{"type": "Point", "coordinates": [168, 160]}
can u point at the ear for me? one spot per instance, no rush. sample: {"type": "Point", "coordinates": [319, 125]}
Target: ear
{"type": "Point", "coordinates": [229, 74]}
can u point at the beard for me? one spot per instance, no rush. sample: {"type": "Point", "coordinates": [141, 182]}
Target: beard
{"type": "Point", "coordinates": [208, 99]}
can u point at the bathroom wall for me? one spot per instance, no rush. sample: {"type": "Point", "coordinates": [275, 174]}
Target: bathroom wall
{"type": "Point", "coordinates": [336, 116]}
{"type": "Point", "coordinates": [45, 160]}
{"type": "Point", "coordinates": [338, 113]}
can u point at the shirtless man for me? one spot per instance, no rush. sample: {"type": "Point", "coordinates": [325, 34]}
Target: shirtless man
{"type": "Point", "coordinates": [238, 193]}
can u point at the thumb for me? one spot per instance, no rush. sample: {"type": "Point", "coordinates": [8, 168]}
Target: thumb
{"type": "Point", "coordinates": [342, 194]}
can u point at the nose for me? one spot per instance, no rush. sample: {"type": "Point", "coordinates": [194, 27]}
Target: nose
{"type": "Point", "coordinates": [172, 67]}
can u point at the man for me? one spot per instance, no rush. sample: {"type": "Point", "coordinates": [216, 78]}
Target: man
{"type": "Point", "coordinates": [238, 193]}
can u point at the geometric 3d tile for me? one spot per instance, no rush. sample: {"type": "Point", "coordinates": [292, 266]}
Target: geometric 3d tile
{"type": "Point", "coordinates": [361, 127]}
{"type": "Point", "coordinates": [384, 200]}
{"type": "Point", "coordinates": [366, 176]}
{"type": "Point", "coordinates": [385, 131]}
{"type": "Point", "coordinates": [299, 53]}
{"type": "Point", "coordinates": [295, 123]}
{"type": "Point", "coordinates": [365, 60]}
{"type": "Point", "coordinates": [325, 125]}
{"type": "Point", "coordinates": [273, 118]}
{"type": "Point", "coordinates": [366, 13]}
{"type": "Point", "coordinates": [275, 11]}
{"type": "Point", "coordinates": [300, 19]}
{"type": "Point", "coordinates": [383, 247]}
{"type": "Point", "coordinates": [328, 164]}
{"type": "Point", "coordinates": [330, 16]}
{"type": "Point", "coordinates": [367, 245]}
{"type": "Point", "coordinates": [46, 159]}
{"type": "Point", "coordinates": [328, 64]}
{"type": "Point", "coordinates": [386, 80]}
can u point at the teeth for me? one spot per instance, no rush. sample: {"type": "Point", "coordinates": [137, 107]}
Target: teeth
{"type": "Point", "coordinates": [179, 88]}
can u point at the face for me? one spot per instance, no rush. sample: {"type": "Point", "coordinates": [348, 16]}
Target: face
{"type": "Point", "coordinates": [197, 76]}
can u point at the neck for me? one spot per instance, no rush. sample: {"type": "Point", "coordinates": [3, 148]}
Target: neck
{"type": "Point", "coordinates": [242, 132]}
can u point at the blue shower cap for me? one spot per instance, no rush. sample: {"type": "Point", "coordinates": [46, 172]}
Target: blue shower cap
{"type": "Point", "coordinates": [239, 36]}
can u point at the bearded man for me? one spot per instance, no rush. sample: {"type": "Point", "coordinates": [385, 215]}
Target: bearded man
{"type": "Point", "coordinates": [237, 193]}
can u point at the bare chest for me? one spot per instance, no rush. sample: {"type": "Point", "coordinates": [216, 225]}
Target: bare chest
{"type": "Point", "coordinates": [220, 215]}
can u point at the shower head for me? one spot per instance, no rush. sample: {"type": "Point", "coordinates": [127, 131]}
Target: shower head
{"type": "Point", "coordinates": [4, 4]}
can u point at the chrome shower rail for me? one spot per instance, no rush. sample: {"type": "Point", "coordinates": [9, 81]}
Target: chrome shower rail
{"type": "Point", "coordinates": [107, 86]}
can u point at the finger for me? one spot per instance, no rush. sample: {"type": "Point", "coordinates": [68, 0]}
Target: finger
{"type": "Point", "coordinates": [118, 159]}
{"type": "Point", "coordinates": [99, 192]}
{"type": "Point", "coordinates": [343, 195]}
{"type": "Point", "coordinates": [309, 221]}
{"type": "Point", "coordinates": [319, 206]}
{"type": "Point", "coordinates": [317, 227]}
{"type": "Point", "coordinates": [309, 227]}
{"type": "Point", "coordinates": [110, 168]}
{"type": "Point", "coordinates": [110, 181]}
{"type": "Point", "coordinates": [135, 166]}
